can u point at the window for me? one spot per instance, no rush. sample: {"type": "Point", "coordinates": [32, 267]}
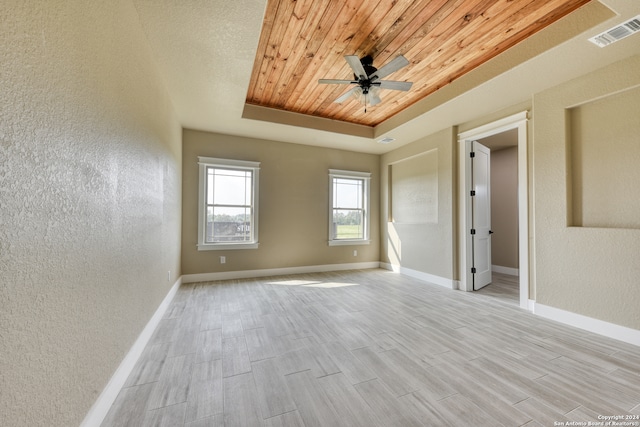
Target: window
{"type": "Point", "coordinates": [349, 209]}
{"type": "Point", "coordinates": [228, 208]}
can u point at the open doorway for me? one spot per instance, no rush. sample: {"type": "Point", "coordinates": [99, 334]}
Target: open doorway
{"type": "Point", "coordinates": [504, 216]}
{"type": "Point", "coordinates": [496, 134]}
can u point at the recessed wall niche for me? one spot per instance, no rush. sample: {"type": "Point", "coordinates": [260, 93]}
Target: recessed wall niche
{"type": "Point", "coordinates": [413, 182]}
{"type": "Point", "coordinates": [604, 162]}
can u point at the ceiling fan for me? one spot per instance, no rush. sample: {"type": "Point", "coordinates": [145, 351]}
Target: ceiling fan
{"type": "Point", "coordinates": [367, 79]}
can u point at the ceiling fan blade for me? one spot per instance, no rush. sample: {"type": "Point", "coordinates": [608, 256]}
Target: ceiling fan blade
{"type": "Point", "coordinates": [356, 65]}
{"type": "Point", "coordinates": [391, 67]}
{"type": "Point", "coordinates": [335, 81]}
{"type": "Point", "coordinates": [345, 96]}
{"type": "Point", "coordinates": [390, 84]}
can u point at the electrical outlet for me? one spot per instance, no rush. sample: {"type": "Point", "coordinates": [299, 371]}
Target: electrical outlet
{"type": "Point", "coordinates": [355, 253]}
{"type": "Point", "coordinates": [223, 259]}
{"type": "Point", "coordinates": [169, 276]}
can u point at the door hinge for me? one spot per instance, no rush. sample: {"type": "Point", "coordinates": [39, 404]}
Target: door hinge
{"type": "Point", "coordinates": [473, 231]}
{"type": "Point", "coordinates": [472, 154]}
{"type": "Point", "coordinates": [473, 270]}
{"type": "Point", "coordinates": [473, 193]}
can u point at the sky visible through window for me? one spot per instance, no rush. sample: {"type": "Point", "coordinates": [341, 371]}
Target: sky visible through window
{"type": "Point", "coordinates": [347, 193]}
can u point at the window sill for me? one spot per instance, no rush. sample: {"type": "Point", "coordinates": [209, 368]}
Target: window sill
{"type": "Point", "coordinates": [226, 246]}
{"type": "Point", "coordinates": [348, 242]}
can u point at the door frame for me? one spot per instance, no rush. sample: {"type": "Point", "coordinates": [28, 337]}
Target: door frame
{"type": "Point", "coordinates": [516, 121]}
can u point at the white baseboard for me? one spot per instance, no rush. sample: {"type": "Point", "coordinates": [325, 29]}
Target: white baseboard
{"type": "Point", "coordinates": [244, 274]}
{"type": "Point", "coordinates": [101, 406]}
{"type": "Point", "coordinates": [505, 270]}
{"type": "Point", "coordinates": [436, 280]}
{"type": "Point", "coordinates": [611, 330]}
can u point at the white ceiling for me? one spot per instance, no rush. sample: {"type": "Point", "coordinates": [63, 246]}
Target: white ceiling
{"type": "Point", "coordinates": [500, 141]}
{"type": "Point", "coordinates": [205, 50]}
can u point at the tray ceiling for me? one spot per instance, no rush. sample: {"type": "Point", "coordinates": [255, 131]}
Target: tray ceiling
{"type": "Point", "coordinates": [305, 40]}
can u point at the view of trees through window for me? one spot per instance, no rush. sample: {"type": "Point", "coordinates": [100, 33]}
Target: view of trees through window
{"type": "Point", "coordinates": [348, 224]}
{"type": "Point", "coordinates": [238, 219]}
{"type": "Point", "coordinates": [228, 228]}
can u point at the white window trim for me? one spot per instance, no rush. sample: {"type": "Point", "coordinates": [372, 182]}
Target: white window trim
{"type": "Point", "coordinates": [203, 162]}
{"type": "Point", "coordinates": [366, 177]}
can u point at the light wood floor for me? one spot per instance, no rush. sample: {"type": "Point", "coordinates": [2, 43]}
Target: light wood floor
{"type": "Point", "coordinates": [504, 287]}
{"type": "Point", "coordinates": [369, 348]}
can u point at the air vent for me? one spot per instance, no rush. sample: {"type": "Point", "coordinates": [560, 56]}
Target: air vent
{"type": "Point", "coordinates": [619, 32]}
{"type": "Point", "coordinates": [386, 140]}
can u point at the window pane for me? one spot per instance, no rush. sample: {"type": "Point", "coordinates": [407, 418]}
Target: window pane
{"type": "Point", "coordinates": [228, 225]}
{"type": "Point", "coordinates": [210, 179]}
{"type": "Point", "coordinates": [231, 187]}
{"type": "Point", "coordinates": [348, 224]}
{"type": "Point", "coordinates": [228, 218]}
{"type": "Point", "coordinates": [347, 193]}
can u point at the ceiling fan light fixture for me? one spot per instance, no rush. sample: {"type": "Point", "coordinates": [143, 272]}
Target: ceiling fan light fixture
{"type": "Point", "coordinates": [365, 95]}
{"type": "Point", "coordinates": [358, 94]}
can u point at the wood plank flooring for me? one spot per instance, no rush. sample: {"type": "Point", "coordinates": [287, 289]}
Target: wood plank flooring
{"type": "Point", "coordinates": [503, 287]}
{"type": "Point", "coordinates": [370, 348]}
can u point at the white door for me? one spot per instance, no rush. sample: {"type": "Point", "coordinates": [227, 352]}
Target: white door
{"type": "Point", "coordinates": [481, 215]}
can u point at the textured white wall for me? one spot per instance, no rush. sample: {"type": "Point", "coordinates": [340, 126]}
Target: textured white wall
{"type": "Point", "coordinates": [90, 170]}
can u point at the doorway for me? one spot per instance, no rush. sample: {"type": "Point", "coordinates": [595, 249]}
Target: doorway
{"type": "Point", "coordinates": [504, 216]}
{"type": "Point", "coordinates": [518, 125]}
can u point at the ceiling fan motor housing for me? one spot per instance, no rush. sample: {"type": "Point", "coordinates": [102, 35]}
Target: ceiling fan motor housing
{"type": "Point", "coordinates": [367, 64]}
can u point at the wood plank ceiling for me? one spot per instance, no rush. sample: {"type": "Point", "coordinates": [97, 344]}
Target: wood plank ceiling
{"type": "Point", "coordinates": [305, 40]}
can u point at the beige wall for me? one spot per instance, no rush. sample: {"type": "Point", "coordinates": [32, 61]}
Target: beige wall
{"type": "Point", "coordinates": [586, 270]}
{"type": "Point", "coordinates": [424, 247]}
{"type": "Point", "coordinates": [90, 213]}
{"type": "Point", "coordinates": [605, 154]}
{"type": "Point", "coordinates": [294, 204]}
{"type": "Point", "coordinates": [504, 207]}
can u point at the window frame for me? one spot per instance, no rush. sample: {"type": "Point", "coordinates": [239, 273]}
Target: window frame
{"type": "Point", "coordinates": [365, 177]}
{"type": "Point", "coordinates": [237, 165]}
